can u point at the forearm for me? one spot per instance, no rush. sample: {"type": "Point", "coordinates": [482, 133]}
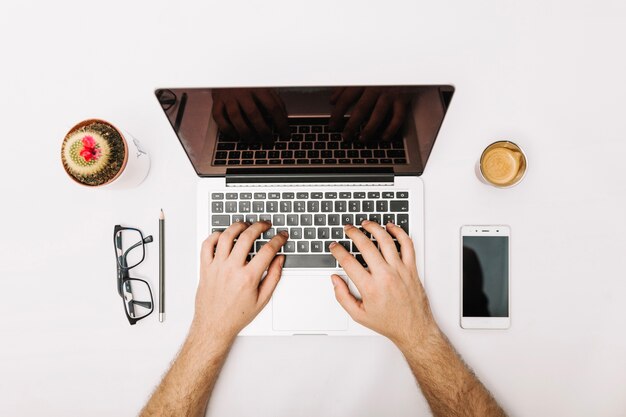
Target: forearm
{"type": "Point", "coordinates": [187, 386]}
{"type": "Point", "coordinates": [449, 386]}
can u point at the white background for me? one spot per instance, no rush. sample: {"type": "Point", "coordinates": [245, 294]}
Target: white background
{"type": "Point", "coordinates": [548, 75]}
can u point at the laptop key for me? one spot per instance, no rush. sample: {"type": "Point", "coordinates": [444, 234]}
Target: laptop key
{"type": "Point", "coordinates": [260, 196]}
{"type": "Point", "coordinates": [337, 232]}
{"type": "Point", "coordinates": [299, 206]}
{"type": "Point", "coordinates": [388, 194]}
{"type": "Point", "coordinates": [302, 196]}
{"type": "Point", "coordinates": [340, 206]}
{"type": "Point", "coordinates": [279, 220]}
{"type": "Point", "coordinates": [285, 206]}
{"type": "Point", "coordinates": [295, 233]}
{"type": "Point", "coordinates": [272, 206]}
{"type": "Point", "coordinates": [402, 194]}
{"type": "Point", "coordinates": [389, 218]}
{"type": "Point", "coordinates": [345, 244]}
{"type": "Point", "coordinates": [368, 206]}
{"type": "Point", "coordinates": [303, 246]}
{"type": "Point", "coordinates": [347, 219]}
{"type": "Point", "coordinates": [333, 219]}
{"type": "Point", "coordinates": [354, 206]}
{"type": "Point", "coordinates": [244, 207]}
{"type": "Point", "coordinates": [237, 218]}
{"type": "Point", "coordinates": [309, 233]}
{"type": "Point", "coordinates": [323, 233]}
{"type": "Point", "coordinates": [258, 206]}
{"type": "Point", "coordinates": [306, 219]}
{"type": "Point", "coordinates": [292, 220]}
{"type": "Point", "coordinates": [359, 194]}
{"type": "Point", "coordinates": [269, 233]}
{"type": "Point", "coordinates": [220, 220]}
{"type": "Point", "coordinates": [217, 196]}
{"type": "Point", "coordinates": [217, 207]}
{"type": "Point", "coordinates": [317, 195]}
{"type": "Point", "coordinates": [231, 196]}
{"type": "Point", "coordinates": [403, 222]}
{"type": "Point", "coordinates": [274, 196]}
{"type": "Point", "coordinates": [289, 247]}
{"type": "Point", "coordinates": [327, 206]}
{"type": "Point", "coordinates": [399, 205]}
{"type": "Point", "coordinates": [313, 206]}
{"type": "Point", "coordinates": [319, 219]}
{"type": "Point", "coordinates": [231, 206]}
{"type": "Point", "coordinates": [317, 246]}
{"type": "Point", "coordinates": [358, 219]}
{"type": "Point", "coordinates": [375, 217]}
{"type": "Point", "coordinates": [265, 218]}
{"type": "Point", "coordinates": [251, 218]}
{"type": "Point", "coordinates": [381, 206]}
{"type": "Point", "coordinates": [374, 194]}
{"type": "Point", "coordinates": [309, 261]}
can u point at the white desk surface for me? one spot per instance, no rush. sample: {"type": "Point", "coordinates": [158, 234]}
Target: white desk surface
{"type": "Point", "coordinates": [549, 75]}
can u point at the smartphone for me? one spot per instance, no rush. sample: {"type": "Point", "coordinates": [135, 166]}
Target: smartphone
{"type": "Point", "coordinates": [485, 277]}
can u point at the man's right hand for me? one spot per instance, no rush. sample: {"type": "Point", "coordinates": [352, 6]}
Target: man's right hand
{"type": "Point", "coordinates": [393, 301]}
{"type": "Point", "coordinates": [250, 113]}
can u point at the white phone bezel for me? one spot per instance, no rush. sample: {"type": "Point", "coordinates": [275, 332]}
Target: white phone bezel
{"type": "Point", "coordinates": [485, 322]}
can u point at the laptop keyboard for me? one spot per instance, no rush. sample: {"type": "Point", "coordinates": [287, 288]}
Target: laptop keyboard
{"type": "Point", "coordinates": [311, 143]}
{"type": "Point", "coordinates": [313, 219]}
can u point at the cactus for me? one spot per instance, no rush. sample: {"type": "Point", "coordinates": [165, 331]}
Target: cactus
{"type": "Point", "coordinates": [93, 154]}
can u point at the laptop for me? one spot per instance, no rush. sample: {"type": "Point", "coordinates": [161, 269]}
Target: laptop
{"type": "Point", "coordinates": [310, 160]}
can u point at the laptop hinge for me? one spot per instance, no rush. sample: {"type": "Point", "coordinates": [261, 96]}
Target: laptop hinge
{"type": "Point", "coordinates": [310, 176]}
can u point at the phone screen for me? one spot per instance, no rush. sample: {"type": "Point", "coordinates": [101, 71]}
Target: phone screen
{"type": "Point", "coordinates": [485, 276]}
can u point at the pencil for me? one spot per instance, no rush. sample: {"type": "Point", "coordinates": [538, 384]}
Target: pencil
{"type": "Point", "coordinates": [161, 267]}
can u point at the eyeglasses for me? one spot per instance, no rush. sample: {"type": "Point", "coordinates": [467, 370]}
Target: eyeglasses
{"type": "Point", "coordinates": [136, 293]}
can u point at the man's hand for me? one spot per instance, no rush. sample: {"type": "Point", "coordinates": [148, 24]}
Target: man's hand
{"type": "Point", "coordinates": [381, 111]}
{"type": "Point", "coordinates": [250, 113]}
{"type": "Point", "coordinates": [230, 293]}
{"type": "Point", "coordinates": [393, 303]}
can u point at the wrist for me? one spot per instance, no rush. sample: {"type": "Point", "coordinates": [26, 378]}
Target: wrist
{"type": "Point", "coordinates": [420, 339]}
{"type": "Point", "coordinates": [207, 342]}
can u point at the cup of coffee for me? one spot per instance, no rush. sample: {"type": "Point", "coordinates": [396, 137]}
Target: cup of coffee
{"type": "Point", "coordinates": [95, 153]}
{"type": "Point", "coordinates": [502, 164]}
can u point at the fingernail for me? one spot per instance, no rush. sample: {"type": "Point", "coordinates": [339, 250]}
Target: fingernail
{"type": "Point", "coordinates": [284, 233]}
{"type": "Point", "coordinates": [348, 226]}
{"type": "Point", "coordinates": [332, 245]}
{"type": "Point", "coordinates": [364, 222]}
{"type": "Point", "coordinates": [334, 280]}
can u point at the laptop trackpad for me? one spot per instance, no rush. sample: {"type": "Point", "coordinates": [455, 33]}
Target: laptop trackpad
{"type": "Point", "coordinates": [304, 304]}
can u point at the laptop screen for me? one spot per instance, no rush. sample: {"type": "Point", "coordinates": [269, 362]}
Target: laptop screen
{"type": "Point", "coordinates": [328, 128]}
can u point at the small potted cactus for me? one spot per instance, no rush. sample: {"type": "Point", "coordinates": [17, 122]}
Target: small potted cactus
{"type": "Point", "coordinates": [95, 153]}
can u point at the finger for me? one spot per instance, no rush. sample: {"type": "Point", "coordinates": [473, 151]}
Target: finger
{"type": "Point", "coordinates": [399, 113]}
{"type": "Point", "coordinates": [385, 242]}
{"type": "Point", "coordinates": [335, 94]}
{"type": "Point", "coordinates": [272, 105]}
{"type": "Point", "coordinates": [261, 261]}
{"type": "Point", "coordinates": [246, 240]}
{"type": "Point", "coordinates": [344, 101]}
{"type": "Point", "coordinates": [353, 268]}
{"type": "Point", "coordinates": [361, 111]}
{"type": "Point", "coordinates": [238, 121]}
{"type": "Point", "coordinates": [208, 248]}
{"type": "Point", "coordinates": [267, 287]}
{"type": "Point", "coordinates": [227, 238]}
{"type": "Point", "coordinates": [407, 250]}
{"type": "Point", "coordinates": [372, 256]}
{"type": "Point", "coordinates": [349, 303]}
{"type": "Point", "coordinates": [254, 115]}
{"type": "Point", "coordinates": [377, 117]}
{"type": "Point", "coordinates": [220, 118]}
